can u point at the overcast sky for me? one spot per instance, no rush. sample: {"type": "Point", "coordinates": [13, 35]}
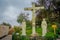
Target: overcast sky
{"type": "Point", "coordinates": [10, 9]}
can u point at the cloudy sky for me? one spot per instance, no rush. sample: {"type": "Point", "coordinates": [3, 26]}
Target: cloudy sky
{"type": "Point", "coordinates": [10, 9]}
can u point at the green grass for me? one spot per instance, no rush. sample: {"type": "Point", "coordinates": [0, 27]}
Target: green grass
{"type": "Point", "coordinates": [28, 32]}
{"type": "Point", "coordinates": [38, 30]}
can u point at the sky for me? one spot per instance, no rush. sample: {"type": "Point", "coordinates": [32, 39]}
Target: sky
{"type": "Point", "coordinates": [10, 9]}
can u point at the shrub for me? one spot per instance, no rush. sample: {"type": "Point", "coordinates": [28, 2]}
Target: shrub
{"type": "Point", "coordinates": [50, 36]}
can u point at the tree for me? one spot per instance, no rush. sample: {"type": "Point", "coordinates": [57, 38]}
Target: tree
{"type": "Point", "coordinates": [51, 11]}
{"type": "Point", "coordinates": [17, 29]}
{"type": "Point", "coordinates": [40, 13]}
{"type": "Point", "coordinates": [21, 17]}
{"type": "Point", "coordinates": [25, 17]}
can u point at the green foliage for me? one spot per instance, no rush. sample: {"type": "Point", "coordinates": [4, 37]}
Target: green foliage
{"type": "Point", "coordinates": [29, 32]}
{"type": "Point", "coordinates": [50, 36]}
{"type": "Point", "coordinates": [15, 36]}
{"type": "Point", "coordinates": [58, 32]}
{"type": "Point", "coordinates": [28, 28]}
{"type": "Point", "coordinates": [39, 31]}
{"type": "Point", "coordinates": [28, 24]}
{"type": "Point", "coordinates": [17, 29]}
{"type": "Point", "coordinates": [20, 18]}
{"type": "Point", "coordinates": [24, 38]}
{"type": "Point", "coordinates": [50, 29]}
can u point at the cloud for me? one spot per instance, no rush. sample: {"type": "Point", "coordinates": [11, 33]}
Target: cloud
{"type": "Point", "coordinates": [10, 9]}
{"type": "Point", "coordinates": [11, 12]}
{"type": "Point", "coordinates": [10, 15]}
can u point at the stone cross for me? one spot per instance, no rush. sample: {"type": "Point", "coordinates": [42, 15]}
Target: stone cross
{"type": "Point", "coordinates": [33, 9]}
{"type": "Point", "coordinates": [44, 27]}
{"type": "Point", "coordinates": [23, 28]}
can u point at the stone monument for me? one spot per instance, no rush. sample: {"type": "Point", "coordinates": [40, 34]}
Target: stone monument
{"type": "Point", "coordinates": [44, 27]}
{"type": "Point", "coordinates": [33, 9]}
{"type": "Point", "coordinates": [23, 28]}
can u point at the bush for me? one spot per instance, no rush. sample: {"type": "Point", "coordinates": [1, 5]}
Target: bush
{"type": "Point", "coordinates": [29, 32]}
{"type": "Point", "coordinates": [39, 31]}
{"type": "Point", "coordinates": [17, 29]}
{"type": "Point", "coordinates": [50, 36]}
{"type": "Point", "coordinates": [24, 38]}
{"type": "Point", "coordinates": [58, 32]}
{"type": "Point", "coordinates": [15, 36]}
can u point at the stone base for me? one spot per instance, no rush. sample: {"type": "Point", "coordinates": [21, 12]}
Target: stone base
{"type": "Point", "coordinates": [33, 35]}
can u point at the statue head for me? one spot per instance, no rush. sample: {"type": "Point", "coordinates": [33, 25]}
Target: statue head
{"type": "Point", "coordinates": [23, 20]}
{"type": "Point", "coordinates": [33, 3]}
{"type": "Point", "coordinates": [43, 19]}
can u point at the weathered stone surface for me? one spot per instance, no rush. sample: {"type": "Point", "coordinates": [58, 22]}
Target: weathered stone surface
{"type": "Point", "coordinates": [4, 30]}
{"type": "Point", "coordinates": [9, 37]}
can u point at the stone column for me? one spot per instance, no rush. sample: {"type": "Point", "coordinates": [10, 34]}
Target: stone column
{"type": "Point", "coordinates": [33, 29]}
{"type": "Point", "coordinates": [33, 24]}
